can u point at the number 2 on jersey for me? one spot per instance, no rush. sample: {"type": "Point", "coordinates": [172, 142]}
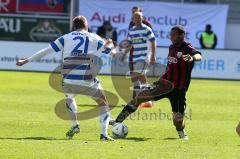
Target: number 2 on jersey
{"type": "Point", "coordinates": [80, 43]}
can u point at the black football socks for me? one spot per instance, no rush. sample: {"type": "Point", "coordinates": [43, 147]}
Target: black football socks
{"type": "Point", "coordinates": [127, 110]}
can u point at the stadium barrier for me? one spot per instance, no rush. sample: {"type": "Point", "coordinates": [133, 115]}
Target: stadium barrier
{"type": "Point", "coordinates": [162, 15]}
{"type": "Point", "coordinates": [42, 28]}
{"type": "Point", "coordinates": [216, 64]}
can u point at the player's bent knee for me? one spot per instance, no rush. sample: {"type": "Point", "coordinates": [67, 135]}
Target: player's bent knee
{"type": "Point", "coordinates": [100, 98]}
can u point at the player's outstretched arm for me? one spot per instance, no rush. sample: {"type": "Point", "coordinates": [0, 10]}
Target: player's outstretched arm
{"type": "Point", "coordinates": [21, 62]}
{"type": "Point", "coordinates": [35, 56]}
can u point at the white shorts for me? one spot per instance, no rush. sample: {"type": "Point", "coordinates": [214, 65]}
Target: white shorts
{"type": "Point", "coordinates": [93, 91]}
{"type": "Point", "coordinates": [139, 67]}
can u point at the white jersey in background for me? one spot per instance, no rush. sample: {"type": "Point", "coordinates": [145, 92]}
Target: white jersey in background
{"type": "Point", "coordinates": [140, 38]}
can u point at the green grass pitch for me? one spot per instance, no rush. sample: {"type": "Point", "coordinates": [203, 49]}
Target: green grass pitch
{"type": "Point", "coordinates": [29, 127]}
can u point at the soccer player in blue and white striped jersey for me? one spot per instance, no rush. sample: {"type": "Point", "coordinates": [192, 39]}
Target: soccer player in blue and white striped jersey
{"type": "Point", "coordinates": [140, 35]}
{"type": "Point", "coordinates": [77, 71]}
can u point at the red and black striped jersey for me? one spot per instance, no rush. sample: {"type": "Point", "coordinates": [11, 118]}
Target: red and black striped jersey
{"type": "Point", "coordinates": [179, 71]}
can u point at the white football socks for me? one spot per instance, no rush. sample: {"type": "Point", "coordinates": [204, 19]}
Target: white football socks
{"type": "Point", "coordinates": [72, 107]}
{"type": "Point", "coordinates": [104, 119]}
{"type": "Point", "coordinates": [104, 115]}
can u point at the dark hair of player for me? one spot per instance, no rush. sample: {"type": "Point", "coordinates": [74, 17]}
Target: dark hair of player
{"type": "Point", "coordinates": [137, 8]}
{"type": "Point", "coordinates": [79, 22]}
{"type": "Point", "coordinates": [179, 28]}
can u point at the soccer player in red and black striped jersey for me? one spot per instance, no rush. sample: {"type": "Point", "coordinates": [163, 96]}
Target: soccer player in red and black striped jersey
{"type": "Point", "coordinates": [181, 60]}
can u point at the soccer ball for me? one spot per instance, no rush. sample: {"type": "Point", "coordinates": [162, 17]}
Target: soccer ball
{"type": "Point", "coordinates": [120, 130]}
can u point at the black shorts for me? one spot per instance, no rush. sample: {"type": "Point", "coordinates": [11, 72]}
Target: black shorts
{"type": "Point", "coordinates": [177, 99]}
{"type": "Point", "coordinates": [163, 89]}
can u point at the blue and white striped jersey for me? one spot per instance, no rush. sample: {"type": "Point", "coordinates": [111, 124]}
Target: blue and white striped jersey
{"type": "Point", "coordinates": [140, 38]}
{"type": "Point", "coordinates": [75, 48]}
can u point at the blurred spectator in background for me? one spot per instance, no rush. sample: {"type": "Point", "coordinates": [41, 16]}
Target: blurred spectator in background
{"type": "Point", "coordinates": [208, 39]}
{"type": "Point", "coordinates": [138, 9]}
{"type": "Point", "coordinates": [107, 31]}
{"type": "Point", "coordinates": [66, 6]}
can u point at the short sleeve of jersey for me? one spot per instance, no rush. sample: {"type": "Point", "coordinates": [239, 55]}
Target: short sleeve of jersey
{"type": "Point", "coordinates": [97, 42]}
{"type": "Point", "coordinates": [191, 50]}
{"type": "Point", "coordinates": [58, 44]}
{"type": "Point", "coordinates": [150, 35]}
